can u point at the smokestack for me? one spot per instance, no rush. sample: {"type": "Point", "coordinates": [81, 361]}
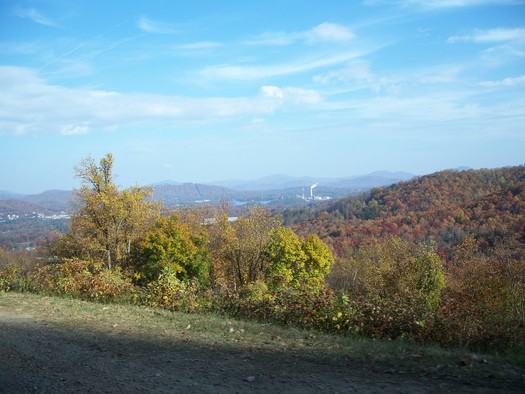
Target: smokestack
{"type": "Point", "coordinates": [312, 190]}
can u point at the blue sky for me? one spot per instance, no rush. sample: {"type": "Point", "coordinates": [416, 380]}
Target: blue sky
{"type": "Point", "coordinates": [203, 91]}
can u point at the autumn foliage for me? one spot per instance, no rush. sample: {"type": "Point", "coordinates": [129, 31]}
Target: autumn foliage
{"type": "Point", "coordinates": [438, 259]}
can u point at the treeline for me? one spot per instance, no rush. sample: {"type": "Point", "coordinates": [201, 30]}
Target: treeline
{"type": "Point", "coordinates": [445, 208]}
{"type": "Point", "coordinates": [27, 232]}
{"type": "Point", "coordinates": [474, 220]}
{"type": "Point", "coordinates": [377, 265]}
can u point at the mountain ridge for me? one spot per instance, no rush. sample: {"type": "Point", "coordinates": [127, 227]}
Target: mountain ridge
{"type": "Point", "coordinates": [278, 188]}
{"type": "Point", "coordinates": [270, 182]}
{"type": "Point", "coordinates": [445, 207]}
{"type": "Point", "coordinates": [283, 181]}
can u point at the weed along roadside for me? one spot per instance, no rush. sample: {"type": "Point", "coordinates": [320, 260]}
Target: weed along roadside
{"type": "Point", "coordinates": [51, 344]}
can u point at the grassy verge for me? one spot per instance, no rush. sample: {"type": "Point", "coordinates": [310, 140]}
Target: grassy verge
{"type": "Point", "coordinates": [218, 331]}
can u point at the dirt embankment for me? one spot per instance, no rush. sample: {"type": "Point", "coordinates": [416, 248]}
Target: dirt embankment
{"type": "Point", "coordinates": [43, 353]}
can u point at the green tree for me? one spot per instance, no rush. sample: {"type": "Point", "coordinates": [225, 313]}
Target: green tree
{"type": "Point", "coordinates": [239, 247]}
{"type": "Point", "coordinates": [286, 257]}
{"type": "Point", "coordinates": [106, 221]}
{"type": "Point", "coordinates": [319, 261]}
{"type": "Point", "coordinates": [176, 244]}
{"type": "Point", "coordinates": [393, 270]}
{"type": "Point", "coordinates": [297, 263]}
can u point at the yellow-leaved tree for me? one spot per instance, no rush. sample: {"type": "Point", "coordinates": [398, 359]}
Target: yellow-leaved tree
{"type": "Point", "coordinates": [239, 248]}
{"type": "Point", "coordinates": [297, 263]}
{"type": "Point", "coordinates": [106, 221]}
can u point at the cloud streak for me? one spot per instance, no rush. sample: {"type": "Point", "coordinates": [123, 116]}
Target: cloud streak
{"type": "Point", "coordinates": [200, 45]}
{"type": "Point", "coordinates": [35, 16]}
{"type": "Point", "coordinates": [248, 73]}
{"type": "Point", "coordinates": [89, 109]}
{"type": "Point", "coordinates": [506, 82]}
{"type": "Point", "coordinates": [436, 4]}
{"type": "Point", "coordinates": [149, 26]}
{"type": "Point", "coordinates": [324, 32]}
{"type": "Point", "coordinates": [491, 36]}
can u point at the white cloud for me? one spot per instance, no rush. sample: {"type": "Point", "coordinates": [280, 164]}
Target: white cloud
{"type": "Point", "coordinates": [273, 38]}
{"type": "Point", "coordinates": [74, 129]}
{"type": "Point", "coordinates": [357, 74]}
{"type": "Point", "coordinates": [246, 73]}
{"type": "Point", "coordinates": [149, 26]}
{"type": "Point", "coordinates": [325, 32]}
{"type": "Point", "coordinates": [272, 91]}
{"type": "Point", "coordinates": [354, 70]}
{"type": "Point", "coordinates": [444, 111]}
{"type": "Point", "coordinates": [491, 36]}
{"type": "Point", "coordinates": [20, 47]}
{"type": "Point", "coordinates": [35, 16]}
{"type": "Point", "coordinates": [455, 3]}
{"type": "Point", "coordinates": [434, 4]}
{"type": "Point", "coordinates": [329, 32]}
{"type": "Point", "coordinates": [441, 107]}
{"type": "Point", "coordinates": [503, 45]}
{"type": "Point", "coordinates": [507, 82]}
{"type": "Point", "coordinates": [29, 104]}
{"type": "Point", "coordinates": [200, 45]}
{"type": "Point", "coordinates": [291, 96]}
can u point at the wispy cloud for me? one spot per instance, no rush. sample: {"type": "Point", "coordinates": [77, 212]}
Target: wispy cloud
{"type": "Point", "coordinates": [354, 70]}
{"type": "Point", "coordinates": [25, 92]}
{"type": "Point", "coordinates": [20, 47]}
{"type": "Point", "coordinates": [149, 26]}
{"type": "Point", "coordinates": [491, 36]}
{"type": "Point", "coordinates": [246, 73]}
{"type": "Point", "coordinates": [507, 82]}
{"type": "Point", "coordinates": [441, 113]}
{"type": "Point", "coordinates": [291, 96]}
{"type": "Point", "coordinates": [200, 45]}
{"type": "Point", "coordinates": [325, 32]}
{"type": "Point", "coordinates": [74, 129]}
{"type": "Point", "coordinates": [91, 110]}
{"type": "Point", "coordinates": [358, 74]}
{"type": "Point", "coordinates": [35, 16]}
{"type": "Point", "coordinates": [502, 45]}
{"type": "Point", "coordinates": [329, 32]}
{"type": "Point", "coordinates": [434, 4]}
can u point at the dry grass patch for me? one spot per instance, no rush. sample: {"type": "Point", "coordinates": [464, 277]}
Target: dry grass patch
{"type": "Point", "coordinates": [213, 332]}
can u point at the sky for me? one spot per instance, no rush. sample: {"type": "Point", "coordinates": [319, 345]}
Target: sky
{"type": "Point", "coordinates": [202, 91]}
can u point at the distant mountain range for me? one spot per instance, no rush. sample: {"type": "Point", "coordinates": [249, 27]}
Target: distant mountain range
{"type": "Point", "coordinates": [279, 181]}
{"type": "Point", "coordinates": [50, 201]}
{"type": "Point", "coordinates": [282, 188]}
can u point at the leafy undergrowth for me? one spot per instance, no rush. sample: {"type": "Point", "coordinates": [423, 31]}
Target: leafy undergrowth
{"type": "Point", "coordinates": [214, 331]}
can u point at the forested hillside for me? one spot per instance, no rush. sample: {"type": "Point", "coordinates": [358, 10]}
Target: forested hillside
{"type": "Point", "coordinates": [438, 259]}
{"type": "Point", "coordinates": [445, 207]}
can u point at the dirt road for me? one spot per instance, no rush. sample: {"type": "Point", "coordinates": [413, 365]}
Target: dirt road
{"type": "Point", "coordinates": [42, 354]}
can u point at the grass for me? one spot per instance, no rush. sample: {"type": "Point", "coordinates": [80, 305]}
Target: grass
{"type": "Point", "coordinates": [219, 331]}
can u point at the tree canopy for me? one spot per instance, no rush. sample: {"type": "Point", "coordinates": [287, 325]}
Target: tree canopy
{"type": "Point", "coordinates": [107, 220]}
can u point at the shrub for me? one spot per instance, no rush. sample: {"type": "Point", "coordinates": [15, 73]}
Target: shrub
{"type": "Point", "coordinates": [14, 278]}
{"type": "Point", "coordinates": [15, 270]}
{"type": "Point", "coordinates": [295, 307]}
{"type": "Point", "coordinates": [84, 279]}
{"type": "Point", "coordinates": [484, 304]}
{"type": "Point", "coordinates": [393, 271]}
{"type": "Point", "coordinates": [168, 291]}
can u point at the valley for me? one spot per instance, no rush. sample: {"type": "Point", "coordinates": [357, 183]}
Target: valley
{"type": "Point", "coordinates": [27, 220]}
